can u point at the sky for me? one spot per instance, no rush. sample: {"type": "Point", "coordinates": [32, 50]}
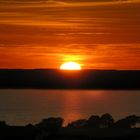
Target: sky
{"type": "Point", "coordinates": [97, 34]}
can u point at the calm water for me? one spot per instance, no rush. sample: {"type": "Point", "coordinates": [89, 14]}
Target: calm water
{"type": "Point", "coordinates": [30, 106]}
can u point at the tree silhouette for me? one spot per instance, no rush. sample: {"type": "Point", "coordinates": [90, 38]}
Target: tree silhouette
{"type": "Point", "coordinates": [78, 124]}
{"type": "Point", "coordinates": [106, 121]}
{"type": "Point", "coordinates": [128, 122]}
{"type": "Point", "coordinates": [93, 121]}
{"type": "Point", "coordinates": [50, 123]}
{"type": "Point", "coordinates": [3, 124]}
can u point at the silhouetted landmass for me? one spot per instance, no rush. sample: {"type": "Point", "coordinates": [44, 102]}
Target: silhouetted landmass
{"type": "Point", "coordinates": [94, 128]}
{"type": "Point", "coordinates": [60, 79]}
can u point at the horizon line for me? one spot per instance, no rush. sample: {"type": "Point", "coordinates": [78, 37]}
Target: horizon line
{"type": "Point", "coordinates": [69, 70]}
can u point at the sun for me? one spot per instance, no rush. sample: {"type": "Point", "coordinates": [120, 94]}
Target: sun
{"type": "Point", "coordinates": [70, 66]}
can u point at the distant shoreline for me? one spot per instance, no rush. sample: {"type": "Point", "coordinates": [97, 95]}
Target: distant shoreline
{"type": "Point", "coordinates": [63, 79]}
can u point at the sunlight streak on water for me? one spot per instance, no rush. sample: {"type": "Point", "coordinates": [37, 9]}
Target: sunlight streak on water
{"type": "Point", "coordinates": [30, 106]}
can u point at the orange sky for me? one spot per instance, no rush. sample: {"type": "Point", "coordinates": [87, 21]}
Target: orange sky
{"type": "Point", "coordinates": [45, 34]}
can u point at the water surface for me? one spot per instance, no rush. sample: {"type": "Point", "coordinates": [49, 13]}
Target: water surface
{"type": "Point", "coordinates": [20, 107]}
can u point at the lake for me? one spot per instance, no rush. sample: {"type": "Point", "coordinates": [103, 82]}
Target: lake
{"type": "Point", "coordinates": [20, 107]}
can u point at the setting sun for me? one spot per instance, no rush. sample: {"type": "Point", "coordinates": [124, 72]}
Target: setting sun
{"type": "Point", "coordinates": [70, 66]}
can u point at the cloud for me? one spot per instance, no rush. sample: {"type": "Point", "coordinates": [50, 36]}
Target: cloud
{"type": "Point", "coordinates": [67, 2]}
{"type": "Point", "coordinates": [41, 32]}
{"type": "Point", "coordinates": [36, 1]}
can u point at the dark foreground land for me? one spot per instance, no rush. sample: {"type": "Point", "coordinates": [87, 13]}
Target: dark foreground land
{"type": "Point", "coordinates": [60, 79]}
{"type": "Point", "coordinates": [94, 128]}
{"type": "Point", "coordinates": [25, 133]}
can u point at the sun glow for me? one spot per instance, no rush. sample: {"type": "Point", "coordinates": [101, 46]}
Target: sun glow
{"type": "Point", "coordinates": [70, 66]}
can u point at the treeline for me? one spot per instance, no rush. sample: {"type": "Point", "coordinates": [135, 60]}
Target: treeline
{"type": "Point", "coordinates": [95, 127]}
{"type": "Point", "coordinates": [106, 121]}
{"type": "Point", "coordinates": [94, 121]}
